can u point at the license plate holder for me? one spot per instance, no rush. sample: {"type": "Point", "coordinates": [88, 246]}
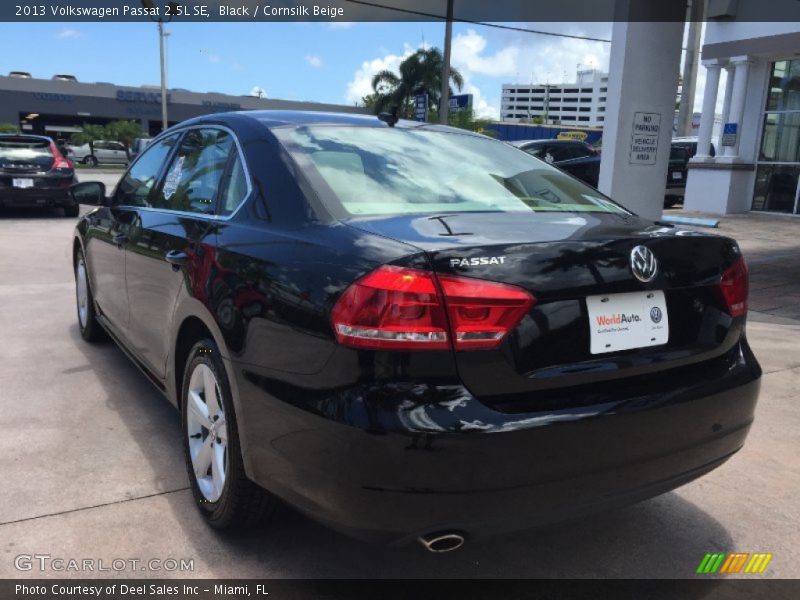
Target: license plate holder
{"type": "Point", "coordinates": [22, 182]}
{"type": "Point", "coordinates": [626, 321]}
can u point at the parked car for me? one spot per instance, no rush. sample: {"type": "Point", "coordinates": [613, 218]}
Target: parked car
{"type": "Point", "coordinates": [138, 145]}
{"type": "Point", "coordinates": [573, 156]}
{"type": "Point", "coordinates": [34, 173]}
{"type": "Point", "coordinates": [681, 150]}
{"type": "Point", "coordinates": [412, 332]}
{"type": "Point", "coordinates": [105, 152]}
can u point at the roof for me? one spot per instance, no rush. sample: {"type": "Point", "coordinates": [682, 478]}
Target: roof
{"type": "Point", "coordinates": [545, 141]}
{"type": "Point", "coordinates": [24, 136]}
{"type": "Point", "coordinates": [287, 118]}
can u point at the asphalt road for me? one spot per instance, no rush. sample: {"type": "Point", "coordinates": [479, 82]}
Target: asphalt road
{"type": "Point", "coordinates": [92, 464]}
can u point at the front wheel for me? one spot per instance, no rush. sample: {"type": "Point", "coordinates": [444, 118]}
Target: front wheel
{"type": "Point", "coordinates": [213, 455]}
{"type": "Point", "coordinates": [90, 329]}
{"type": "Point", "coordinates": [90, 160]}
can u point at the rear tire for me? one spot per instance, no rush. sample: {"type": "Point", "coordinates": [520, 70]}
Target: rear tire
{"type": "Point", "coordinates": [72, 211]}
{"type": "Point", "coordinates": [90, 329]}
{"type": "Point", "coordinates": [221, 490]}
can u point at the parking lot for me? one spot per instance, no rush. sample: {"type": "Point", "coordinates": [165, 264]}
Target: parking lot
{"type": "Point", "coordinates": [93, 466]}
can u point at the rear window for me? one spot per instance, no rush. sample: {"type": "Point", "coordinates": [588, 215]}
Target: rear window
{"type": "Point", "coordinates": [25, 151]}
{"type": "Point", "coordinates": [387, 171]}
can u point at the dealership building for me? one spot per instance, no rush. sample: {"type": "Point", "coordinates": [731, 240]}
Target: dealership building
{"type": "Point", "coordinates": [58, 107]}
{"type": "Point", "coordinates": [757, 160]}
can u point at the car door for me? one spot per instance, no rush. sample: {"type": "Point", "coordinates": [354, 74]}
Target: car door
{"type": "Point", "coordinates": [109, 234]}
{"type": "Point", "coordinates": [179, 221]}
{"type": "Point", "coordinates": [117, 153]}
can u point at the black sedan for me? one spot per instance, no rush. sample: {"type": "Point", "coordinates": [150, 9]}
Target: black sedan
{"type": "Point", "coordinates": [33, 173]}
{"type": "Point", "coordinates": [573, 156]}
{"type": "Point", "coordinates": [409, 331]}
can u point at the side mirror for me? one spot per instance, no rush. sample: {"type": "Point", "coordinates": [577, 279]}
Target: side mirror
{"type": "Point", "coordinates": [92, 193]}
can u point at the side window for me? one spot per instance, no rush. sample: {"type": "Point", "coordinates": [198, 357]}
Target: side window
{"type": "Point", "coordinates": [138, 182]}
{"type": "Point", "coordinates": [581, 151]}
{"type": "Point", "coordinates": [537, 151]}
{"type": "Point", "coordinates": [236, 190]}
{"type": "Point", "coordinates": [196, 171]}
{"type": "Point", "coordinates": [560, 152]}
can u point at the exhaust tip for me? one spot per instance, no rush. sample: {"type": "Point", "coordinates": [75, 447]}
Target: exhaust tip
{"type": "Point", "coordinates": [442, 542]}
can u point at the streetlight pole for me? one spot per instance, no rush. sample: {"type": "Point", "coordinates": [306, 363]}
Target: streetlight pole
{"type": "Point", "coordinates": [164, 122]}
{"type": "Point", "coordinates": [161, 19]}
{"type": "Point", "coordinates": [444, 96]}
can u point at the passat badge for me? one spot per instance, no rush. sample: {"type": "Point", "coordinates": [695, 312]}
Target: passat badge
{"type": "Point", "coordinates": [477, 261]}
{"type": "Point", "coordinates": [644, 265]}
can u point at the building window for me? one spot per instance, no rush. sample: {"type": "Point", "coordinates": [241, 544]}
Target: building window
{"type": "Point", "coordinates": [583, 118]}
{"type": "Point", "coordinates": [603, 89]}
{"type": "Point", "coordinates": [586, 99]}
{"type": "Point", "coordinates": [779, 155]}
{"type": "Point", "coordinates": [585, 108]}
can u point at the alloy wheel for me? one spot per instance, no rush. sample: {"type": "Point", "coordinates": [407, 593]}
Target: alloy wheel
{"type": "Point", "coordinates": [82, 292]}
{"type": "Point", "coordinates": [207, 432]}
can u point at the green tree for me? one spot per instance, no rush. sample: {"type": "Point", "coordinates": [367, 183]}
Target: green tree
{"type": "Point", "coordinates": [89, 134]}
{"type": "Point", "coordinates": [9, 128]}
{"type": "Point", "coordinates": [124, 132]}
{"type": "Point", "coordinates": [369, 101]}
{"type": "Point", "coordinates": [466, 119]}
{"type": "Point", "coordinates": [422, 70]}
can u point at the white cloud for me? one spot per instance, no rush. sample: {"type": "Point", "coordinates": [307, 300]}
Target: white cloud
{"type": "Point", "coordinates": [214, 58]}
{"type": "Point", "coordinates": [361, 84]}
{"type": "Point", "coordinates": [480, 106]}
{"type": "Point", "coordinates": [314, 61]}
{"type": "Point", "coordinates": [68, 34]}
{"type": "Point", "coordinates": [468, 54]}
{"type": "Point", "coordinates": [341, 24]}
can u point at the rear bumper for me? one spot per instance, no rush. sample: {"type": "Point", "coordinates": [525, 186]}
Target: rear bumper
{"type": "Point", "coordinates": [39, 196]}
{"type": "Point", "coordinates": [391, 462]}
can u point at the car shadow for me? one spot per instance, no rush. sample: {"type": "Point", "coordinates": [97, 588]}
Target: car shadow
{"type": "Point", "coordinates": [665, 537]}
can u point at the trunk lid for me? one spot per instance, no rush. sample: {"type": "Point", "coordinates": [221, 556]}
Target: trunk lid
{"type": "Point", "coordinates": [563, 258]}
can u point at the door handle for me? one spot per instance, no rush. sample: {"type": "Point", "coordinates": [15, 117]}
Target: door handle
{"type": "Point", "coordinates": [176, 258]}
{"type": "Point", "coordinates": [119, 239]}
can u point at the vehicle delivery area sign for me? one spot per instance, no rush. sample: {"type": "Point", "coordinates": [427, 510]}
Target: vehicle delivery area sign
{"type": "Point", "coordinates": [644, 139]}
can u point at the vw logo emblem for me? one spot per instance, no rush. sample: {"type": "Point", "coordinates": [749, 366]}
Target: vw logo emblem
{"type": "Point", "coordinates": [644, 265]}
{"type": "Point", "coordinates": [655, 314]}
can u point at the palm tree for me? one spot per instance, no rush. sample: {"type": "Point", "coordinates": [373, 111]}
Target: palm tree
{"type": "Point", "coordinates": [422, 70]}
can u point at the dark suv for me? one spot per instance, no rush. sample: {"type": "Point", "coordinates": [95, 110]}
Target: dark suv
{"type": "Point", "coordinates": [34, 173]}
{"type": "Point", "coordinates": [681, 151]}
{"type": "Point", "coordinates": [573, 156]}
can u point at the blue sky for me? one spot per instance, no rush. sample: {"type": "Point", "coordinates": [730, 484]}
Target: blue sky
{"type": "Point", "coordinates": [303, 61]}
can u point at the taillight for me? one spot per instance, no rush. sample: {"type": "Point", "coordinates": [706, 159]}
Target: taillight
{"type": "Point", "coordinates": [59, 161]}
{"type": "Point", "coordinates": [395, 308]}
{"type": "Point", "coordinates": [733, 288]}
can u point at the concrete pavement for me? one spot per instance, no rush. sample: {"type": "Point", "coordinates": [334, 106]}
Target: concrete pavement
{"type": "Point", "coordinates": [92, 465]}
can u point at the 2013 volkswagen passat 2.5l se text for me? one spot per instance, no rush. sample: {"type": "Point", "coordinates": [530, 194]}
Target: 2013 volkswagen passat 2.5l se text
{"type": "Point", "coordinates": [410, 331]}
